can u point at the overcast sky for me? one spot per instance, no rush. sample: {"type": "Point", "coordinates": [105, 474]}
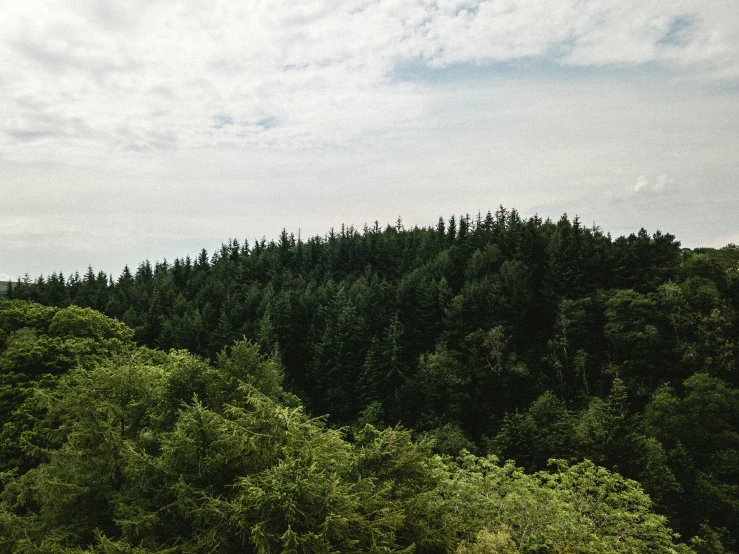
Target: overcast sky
{"type": "Point", "coordinates": [139, 129]}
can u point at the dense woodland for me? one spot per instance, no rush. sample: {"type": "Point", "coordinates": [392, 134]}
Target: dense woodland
{"type": "Point", "coordinates": [490, 384]}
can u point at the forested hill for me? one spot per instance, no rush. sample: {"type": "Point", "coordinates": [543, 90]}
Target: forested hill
{"type": "Point", "coordinates": [524, 338]}
{"type": "Point", "coordinates": [109, 448]}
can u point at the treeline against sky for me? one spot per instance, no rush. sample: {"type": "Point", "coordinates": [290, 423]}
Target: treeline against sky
{"type": "Point", "coordinates": [522, 338]}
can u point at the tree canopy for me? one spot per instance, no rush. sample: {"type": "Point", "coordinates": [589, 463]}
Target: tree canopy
{"type": "Point", "coordinates": [522, 339]}
{"type": "Point", "coordinates": [142, 451]}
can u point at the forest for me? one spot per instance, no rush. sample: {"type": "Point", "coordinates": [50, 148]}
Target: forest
{"type": "Point", "coordinates": [487, 384]}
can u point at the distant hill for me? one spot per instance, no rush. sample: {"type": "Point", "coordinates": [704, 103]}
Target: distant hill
{"type": "Point", "coordinates": [4, 289]}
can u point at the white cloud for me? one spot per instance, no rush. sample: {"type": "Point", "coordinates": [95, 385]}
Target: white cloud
{"type": "Point", "coordinates": [641, 183]}
{"type": "Point", "coordinates": [658, 185]}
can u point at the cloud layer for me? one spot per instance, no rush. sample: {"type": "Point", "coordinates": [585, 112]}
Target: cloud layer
{"type": "Point", "coordinates": [127, 119]}
{"type": "Point", "coordinates": [105, 77]}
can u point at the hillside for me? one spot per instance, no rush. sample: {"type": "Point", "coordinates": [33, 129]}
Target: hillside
{"type": "Point", "coordinates": [524, 339]}
{"type": "Point", "coordinates": [109, 447]}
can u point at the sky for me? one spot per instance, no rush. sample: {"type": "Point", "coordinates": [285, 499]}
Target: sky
{"type": "Point", "coordinates": [150, 130]}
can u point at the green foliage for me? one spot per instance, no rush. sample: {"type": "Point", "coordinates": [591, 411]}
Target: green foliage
{"type": "Point", "coordinates": [17, 314]}
{"type": "Point", "coordinates": [41, 344]}
{"type": "Point", "coordinates": [242, 362]}
{"type": "Point", "coordinates": [528, 338]}
{"type": "Point", "coordinates": [143, 452]}
{"type": "Point", "coordinates": [125, 469]}
{"type": "Point", "coordinates": [699, 452]}
{"type": "Point", "coordinates": [74, 322]}
{"type": "Point", "coordinates": [580, 508]}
